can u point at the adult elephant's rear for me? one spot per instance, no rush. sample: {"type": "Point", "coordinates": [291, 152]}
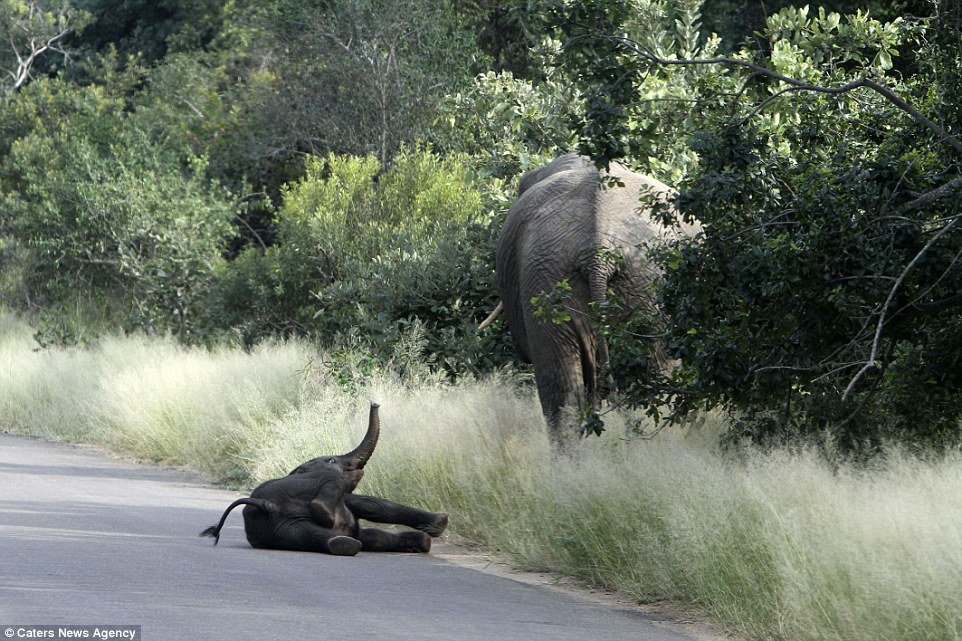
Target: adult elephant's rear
{"type": "Point", "coordinates": [570, 226]}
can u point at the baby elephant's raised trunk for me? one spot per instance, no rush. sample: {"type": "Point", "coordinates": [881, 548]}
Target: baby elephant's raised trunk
{"type": "Point", "coordinates": [362, 453]}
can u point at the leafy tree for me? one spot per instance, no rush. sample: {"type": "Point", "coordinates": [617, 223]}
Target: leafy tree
{"type": "Point", "coordinates": [355, 76]}
{"type": "Point", "coordinates": [104, 210]}
{"type": "Point", "coordinates": [823, 293]}
{"type": "Point", "coordinates": [147, 30]}
{"type": "Point", "coordinates": [509, 125]}
{"type": "Point", "coordinates": [507, 34]}
{"type": "Point", "coordinates": [738, 20]}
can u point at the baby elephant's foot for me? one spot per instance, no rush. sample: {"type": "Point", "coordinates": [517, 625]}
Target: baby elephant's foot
{"type": "Point", "coordinates": [343, 546]}
{"type": "Point", "coordinates": [414, 542]}
{"type": "Point", "coordinates": [436, 526]}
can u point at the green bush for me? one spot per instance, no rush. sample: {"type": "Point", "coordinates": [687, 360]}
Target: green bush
{"type": "Point", "coordinates": [98, 203]}
{"type": "Point", "coordinates": [368, 255]}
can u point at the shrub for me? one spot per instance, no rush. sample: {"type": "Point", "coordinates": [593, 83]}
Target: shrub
{"type": "Point", "coordinates": [367, 254]}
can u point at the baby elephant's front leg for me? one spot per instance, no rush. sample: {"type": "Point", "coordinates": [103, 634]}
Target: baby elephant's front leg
{"type": "Point", "coordinates": [381, 510]}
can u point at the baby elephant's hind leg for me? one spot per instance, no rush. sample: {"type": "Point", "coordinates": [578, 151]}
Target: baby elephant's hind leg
{"type": "Point", "coordinates": [380, 510]}
{"type": "Point", "coordinates": [307, 536]}
{"type": "Point", "coordinates": [374, 540]}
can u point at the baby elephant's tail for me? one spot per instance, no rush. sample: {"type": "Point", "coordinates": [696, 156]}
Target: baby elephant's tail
{"type": "Point", "coordinates": [214, 530]}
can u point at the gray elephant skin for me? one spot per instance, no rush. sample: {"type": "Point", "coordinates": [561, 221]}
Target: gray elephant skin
{"type": "Point", "coordinates": [573, 223]}
{"type": "Point", "coordinates": [314, 509]}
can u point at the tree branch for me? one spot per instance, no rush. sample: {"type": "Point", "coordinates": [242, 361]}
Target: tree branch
{"type": "Point", "coordinates": [24, 65]}
{"type": "Point", "coordinates": [872, 362]}
{"type": "Point", "coordinates": [936, 194]}
{"type": "Point", "coordinates": [882, 90]}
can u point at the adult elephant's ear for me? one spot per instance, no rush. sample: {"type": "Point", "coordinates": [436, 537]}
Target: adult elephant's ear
{"type": "Point", "coordinates": [359, 457]}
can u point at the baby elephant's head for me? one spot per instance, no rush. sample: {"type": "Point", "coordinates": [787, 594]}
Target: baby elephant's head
{"type": "Point", "coordinates": [350, 464]}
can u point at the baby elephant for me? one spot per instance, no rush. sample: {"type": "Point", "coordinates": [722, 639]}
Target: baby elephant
{"type": "Point", "coordinates": [313, 509]}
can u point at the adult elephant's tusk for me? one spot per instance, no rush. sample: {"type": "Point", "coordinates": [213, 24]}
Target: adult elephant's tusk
{"type": "Point", "coordinates": [493, 316]}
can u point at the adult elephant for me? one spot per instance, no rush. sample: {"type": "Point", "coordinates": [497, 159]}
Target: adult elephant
{"type": "Point", "coordinates": [586, 228]}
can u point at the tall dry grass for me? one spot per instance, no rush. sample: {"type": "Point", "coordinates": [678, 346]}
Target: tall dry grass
{"type": "Point", "coordinates": [778, 545]}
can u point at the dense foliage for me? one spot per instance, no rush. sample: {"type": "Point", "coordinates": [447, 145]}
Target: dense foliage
{"type": "Point", "coordinates": [338, 169]}
{"type": "Point", "coordinates": [822, 295]}
{"type": "Point", "coordinates": [365, 256]}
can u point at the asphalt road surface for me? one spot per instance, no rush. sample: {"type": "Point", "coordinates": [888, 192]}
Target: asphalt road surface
{"type": "Point", "coordinates": [88, 540]}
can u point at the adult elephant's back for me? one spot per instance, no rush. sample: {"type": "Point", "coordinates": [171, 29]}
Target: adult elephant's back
{"type": "Point", "coordinates": [546, 228]}
{"type": "Point", "coordinates": [569, 226]}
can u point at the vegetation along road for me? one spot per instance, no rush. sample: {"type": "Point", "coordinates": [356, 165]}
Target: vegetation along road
{"type": "Point", "coordinates": [86, 540]}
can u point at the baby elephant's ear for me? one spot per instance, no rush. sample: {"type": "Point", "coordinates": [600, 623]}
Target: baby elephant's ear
{"type": "Point", "coordinates": [328, 497]}
{"type": "Point", "coordinates": [322, 514]}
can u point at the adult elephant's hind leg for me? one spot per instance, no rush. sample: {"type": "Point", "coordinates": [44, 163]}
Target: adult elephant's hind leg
{"type": "Point", "coordinates": [559, 376]}
{"type": "Point", "coordinates": [372, 508]}
{"type": "Point", "coordinates": [564, 359]}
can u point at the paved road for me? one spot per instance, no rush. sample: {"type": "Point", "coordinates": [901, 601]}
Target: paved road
{"type": "Point", "coordinates": [87, 540]}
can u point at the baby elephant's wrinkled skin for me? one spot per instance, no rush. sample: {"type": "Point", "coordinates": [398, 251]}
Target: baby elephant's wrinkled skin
{"type": "Point", "coordinates": [314, 509]}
